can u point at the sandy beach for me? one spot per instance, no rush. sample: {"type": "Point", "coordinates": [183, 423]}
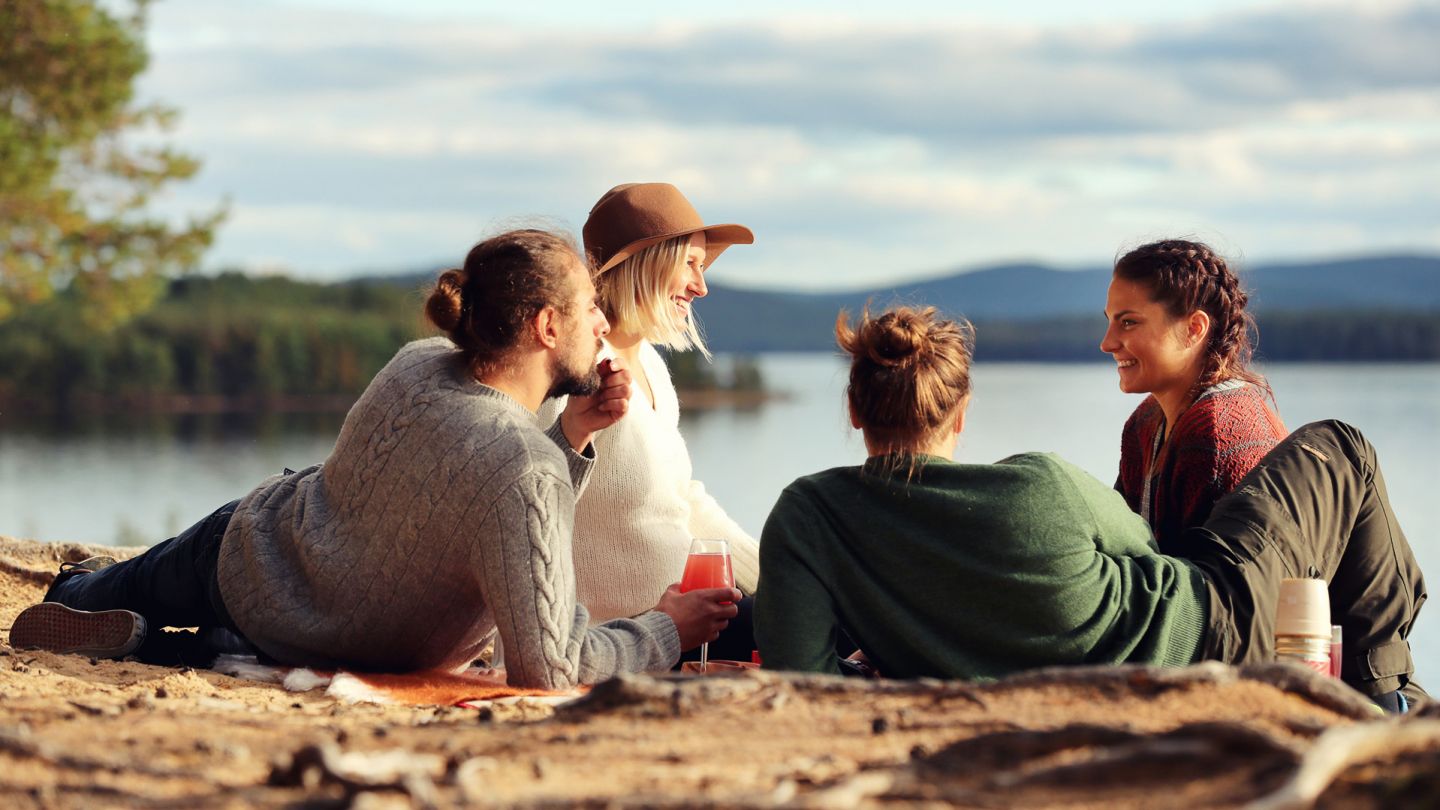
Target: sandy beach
{"type": "Point", "coordinates": [76, 732]}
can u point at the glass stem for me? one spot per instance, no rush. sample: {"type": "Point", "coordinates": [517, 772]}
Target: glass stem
{"type": "Point", "coordinates": [704, 654]}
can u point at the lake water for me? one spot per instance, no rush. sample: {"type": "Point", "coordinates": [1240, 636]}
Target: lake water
{"type": "Point", "coordinates": [143, 480]}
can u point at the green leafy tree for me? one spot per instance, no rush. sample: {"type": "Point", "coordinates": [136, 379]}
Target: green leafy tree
{"type": "Point", "coordinates": [75, 183]}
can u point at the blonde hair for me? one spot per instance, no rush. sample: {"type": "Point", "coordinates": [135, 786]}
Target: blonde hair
{"type": "Point", "coordinates": [635, 296]}
{"type": "Point", "coordinates": [909, 371]}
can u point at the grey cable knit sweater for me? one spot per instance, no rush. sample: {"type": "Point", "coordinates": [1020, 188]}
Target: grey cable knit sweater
{"type": "Point", "coordinates": [443, 515]}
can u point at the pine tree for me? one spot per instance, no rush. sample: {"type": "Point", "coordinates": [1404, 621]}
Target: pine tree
{"type": "Point", "coordinates": [76, 186]}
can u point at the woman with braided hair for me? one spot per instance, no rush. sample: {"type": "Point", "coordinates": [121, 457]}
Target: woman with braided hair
{"type": "Point", "coordinates": [1179, 331]}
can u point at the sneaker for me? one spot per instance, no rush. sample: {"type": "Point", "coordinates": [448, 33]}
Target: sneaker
{"type": "Point", "coordinates": [57, 628]}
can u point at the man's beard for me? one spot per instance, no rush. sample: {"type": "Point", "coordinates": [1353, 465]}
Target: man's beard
{"type": "Point", "coordinates": [580, 382]}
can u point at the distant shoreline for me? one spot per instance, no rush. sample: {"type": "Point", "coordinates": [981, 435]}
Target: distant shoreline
{"type": "Point", "coordinates": [221, 405]}
{"type": "Point", "coordinates": [182, 405]}
{"type": "Point", "coordinates": [709, 399]}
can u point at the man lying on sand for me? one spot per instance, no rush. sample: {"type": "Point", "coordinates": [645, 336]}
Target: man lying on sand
{"type": "Point", "coordinates": [442, 517]}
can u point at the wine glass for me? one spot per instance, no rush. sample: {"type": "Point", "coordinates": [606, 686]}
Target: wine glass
{"type": "Point", "coordinates": [708, 566]}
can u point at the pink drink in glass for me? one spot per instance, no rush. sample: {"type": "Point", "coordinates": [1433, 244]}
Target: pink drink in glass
{"type": "Point", "coordinates": [708, 566]}
{"type": "Point", "coordinates": [707, 570]}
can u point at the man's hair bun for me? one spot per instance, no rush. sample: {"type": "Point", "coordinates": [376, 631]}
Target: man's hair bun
{"type": "Point", "coordinates": [446, 301]}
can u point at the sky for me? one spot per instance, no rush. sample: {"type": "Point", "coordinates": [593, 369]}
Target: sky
{"type": "Point", "coordinates": [863, 143]}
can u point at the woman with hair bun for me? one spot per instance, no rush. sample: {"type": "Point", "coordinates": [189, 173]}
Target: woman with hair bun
{"type": "Point", "coordinates": [942, 569]}
{"type": "Point", "coordinates": [1179, 331]}
{"type": "Point", "coordinates": [643, 506]}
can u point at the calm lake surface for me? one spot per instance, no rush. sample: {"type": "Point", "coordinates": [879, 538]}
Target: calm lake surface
{"type": "Point", "coordinates": [140, 481]}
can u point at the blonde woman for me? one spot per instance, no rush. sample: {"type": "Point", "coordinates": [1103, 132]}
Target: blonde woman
{"type": "Point", "coordinates": [642, 506]}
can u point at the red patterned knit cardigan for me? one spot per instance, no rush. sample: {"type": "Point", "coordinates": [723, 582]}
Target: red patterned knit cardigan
{"type": "Point", "coordinates": [1216, 441]}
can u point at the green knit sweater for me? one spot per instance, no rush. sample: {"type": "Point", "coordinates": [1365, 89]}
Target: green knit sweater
{"type": "Point", "coordinates": [970, 571]}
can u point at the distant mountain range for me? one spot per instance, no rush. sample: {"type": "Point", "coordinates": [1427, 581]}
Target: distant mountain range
{"type": "Point", "coordinates": [1027, 311]}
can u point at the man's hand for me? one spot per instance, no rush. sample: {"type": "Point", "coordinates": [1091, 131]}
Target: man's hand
{"type": "Point", "coordinates": [584, 416]}
{"type": "Point", "coordinates": [700, 614]}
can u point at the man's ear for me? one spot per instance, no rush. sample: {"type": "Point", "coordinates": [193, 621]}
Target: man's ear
{"type": "Point", "coordinates": [546, 326]}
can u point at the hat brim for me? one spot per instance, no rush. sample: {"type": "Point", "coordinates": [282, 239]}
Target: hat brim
{"type": "Point", "coordinates": [717, 238]}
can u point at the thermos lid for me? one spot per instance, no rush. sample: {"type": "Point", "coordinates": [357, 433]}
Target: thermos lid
{"type": "Point", "coordinates": [1303, 608]}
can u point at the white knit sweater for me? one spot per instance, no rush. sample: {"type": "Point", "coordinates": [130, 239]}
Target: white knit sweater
{"type": "Point", "coordinates": [641, 508]}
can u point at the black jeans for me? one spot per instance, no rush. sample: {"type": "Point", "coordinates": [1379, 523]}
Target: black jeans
{"type": "Point", "coordinates": [1316, 507]}
{"type": "Point", "coordinates": [172, 584]}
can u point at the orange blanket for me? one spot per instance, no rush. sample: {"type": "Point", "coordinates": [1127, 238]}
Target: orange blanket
{"type": "Point", "coordinates": [471, 688]}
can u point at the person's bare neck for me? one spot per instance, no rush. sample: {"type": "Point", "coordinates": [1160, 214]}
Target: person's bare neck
{"type": "Point", "coordinates": [1172, 406]}
{"type": "Point", "coordinates": [626, 344]}
{"type": "Point", "coordinates": [943, 447]}
{"type": "Point", "coordinates": [1175, 401]}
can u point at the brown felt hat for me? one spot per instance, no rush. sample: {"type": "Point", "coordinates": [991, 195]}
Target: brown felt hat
{"type": "Point", "coordinates": [634, 216]}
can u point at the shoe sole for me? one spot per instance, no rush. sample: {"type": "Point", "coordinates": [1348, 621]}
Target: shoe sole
{"type": "Point", "coordinates": [57, 628]}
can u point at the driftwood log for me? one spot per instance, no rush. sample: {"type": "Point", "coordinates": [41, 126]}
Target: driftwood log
{"type": "Point", "coordinates": [82, 733]}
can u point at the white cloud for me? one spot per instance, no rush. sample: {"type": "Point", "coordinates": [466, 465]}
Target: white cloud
{"type": "Point", "coordinates": [858, 152]}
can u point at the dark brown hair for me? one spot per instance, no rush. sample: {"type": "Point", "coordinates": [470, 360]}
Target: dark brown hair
{"type": "Point", "coordinates": [1187, 276]}
{"type": "Point", "coordinates": [506, 280]}
{"type": "Point", "coordinates": [909, 371]}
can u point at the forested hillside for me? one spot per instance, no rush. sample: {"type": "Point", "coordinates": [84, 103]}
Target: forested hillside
{"type": "Point", "coordinates": [1376, 308]}
{"type": "Point", "coordinates": [231, 337]}
{"type": "Point", "coordinates": [233, 341]}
